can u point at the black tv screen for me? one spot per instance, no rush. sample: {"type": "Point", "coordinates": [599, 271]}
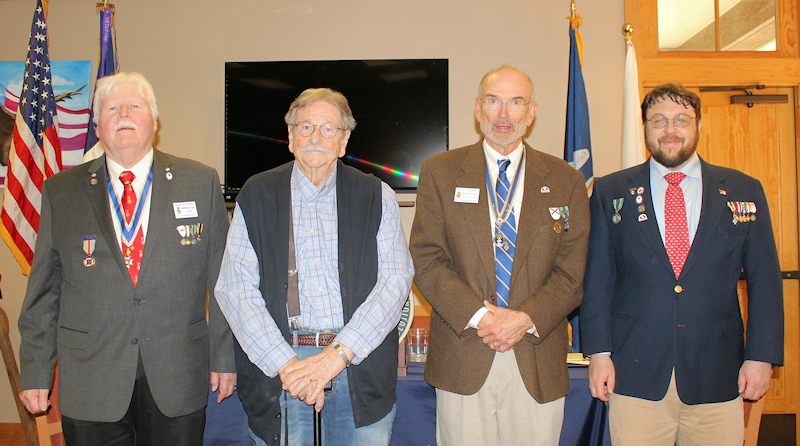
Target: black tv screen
{"type": "Point", "coordinates": [400, 106]}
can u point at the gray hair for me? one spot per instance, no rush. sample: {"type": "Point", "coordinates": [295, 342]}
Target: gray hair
{"type": "Point", "coordinates": [314, 95]}
{"type": "Point", "coordinates": [111, 83]}
{"type": "Point", "coordinates": [500, 68]}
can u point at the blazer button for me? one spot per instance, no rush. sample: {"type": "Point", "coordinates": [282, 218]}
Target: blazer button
{"type": "Point", "coordinates": [276, 437]}
{"type": "Point", "coordinates": [137, 301]}
{"type": "Point", "coordinates": [678, 289]}
{"type": "Point", "coordinates": [134, 341]}
{"type": "Point", "coordinates": [278, 415]}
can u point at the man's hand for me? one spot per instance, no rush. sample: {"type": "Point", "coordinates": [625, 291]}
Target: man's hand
{"type": "Point", "coordinates": [306, 379]}
{"type": "Point", "coordinates": [506, 329]}
{"type": "Point", "coordinates": [225, 382]}
{"type": "Point", "coordinates": [35, 400]}
{"type": "Point", "coordinates": [754, 379]}
{"type": "Point", "coordinates": [602, 376]}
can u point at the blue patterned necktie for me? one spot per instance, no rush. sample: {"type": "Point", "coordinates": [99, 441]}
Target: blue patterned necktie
{"type": "Point", "coordinates": [504, 254]}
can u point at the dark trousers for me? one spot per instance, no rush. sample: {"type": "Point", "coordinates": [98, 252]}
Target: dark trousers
{"type": "Point", "coordinates": [142, 425]}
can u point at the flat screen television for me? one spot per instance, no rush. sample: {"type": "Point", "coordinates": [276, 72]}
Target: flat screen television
{"type": "Point", "coordinates": [400, 106]}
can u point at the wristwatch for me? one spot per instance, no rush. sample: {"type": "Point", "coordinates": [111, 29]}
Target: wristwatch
{"type": "Point", "coordinates": [337, 347]}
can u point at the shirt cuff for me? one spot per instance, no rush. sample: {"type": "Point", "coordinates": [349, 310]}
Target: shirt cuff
{"type": "Point", "coordinates": [473, 322]}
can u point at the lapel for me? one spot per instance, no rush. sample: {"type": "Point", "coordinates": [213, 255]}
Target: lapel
{"type": "Point", "coordinates": [531, 213]}
{"type": "Point", "coordinates": [160, 196]}
{"type": "Point", "coordinates": [473, 176]}
{"type": "Point", "coordinates": [711, 211]}
{"type": "Point", "coordinates": [640, 177]}
{"type": "Point", "coordinates": [98, 196]}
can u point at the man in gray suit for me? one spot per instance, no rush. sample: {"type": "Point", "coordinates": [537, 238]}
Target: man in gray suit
{"type": "Point", "coordinates": [128, 246]}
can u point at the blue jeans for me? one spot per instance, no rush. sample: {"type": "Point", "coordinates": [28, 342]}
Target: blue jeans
{"type": "Point", "coordinates": [338, 427]}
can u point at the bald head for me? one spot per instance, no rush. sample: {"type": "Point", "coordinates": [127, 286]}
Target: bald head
{"type": "Point", "coordinates": [505, 70]}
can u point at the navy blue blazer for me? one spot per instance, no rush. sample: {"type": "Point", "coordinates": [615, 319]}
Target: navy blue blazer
{"type": "Point", "coordinates": [635, 308]}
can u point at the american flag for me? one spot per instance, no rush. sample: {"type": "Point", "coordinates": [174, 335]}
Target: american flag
{"type": "Point", "coordinates": [35, 152]}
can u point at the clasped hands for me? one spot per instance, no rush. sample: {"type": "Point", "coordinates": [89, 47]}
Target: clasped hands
{"type": "Point", "coordinates": [501, 328]}
{"type": "Point", "coordinates": [306, 379]}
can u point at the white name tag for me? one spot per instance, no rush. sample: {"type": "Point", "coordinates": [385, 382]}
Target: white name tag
{"type": "Point", "coordinates": [467, 195]}
{"type": "Point", "coordinates": [186, 209]}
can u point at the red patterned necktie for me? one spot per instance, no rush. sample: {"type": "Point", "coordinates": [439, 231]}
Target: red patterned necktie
{"type": "Point", "coordinates": [677, 232]}
{"type": "Point", "coordinates": [131, 253]}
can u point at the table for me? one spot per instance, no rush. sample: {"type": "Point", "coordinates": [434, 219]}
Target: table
{"type": "Point", "coordinates": [585, 418]}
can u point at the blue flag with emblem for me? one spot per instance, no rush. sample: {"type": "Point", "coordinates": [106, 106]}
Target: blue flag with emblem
{"type": "Point", "coordinates": [108, 63]}
{"type": "Point", "coordinates": [577, 142]}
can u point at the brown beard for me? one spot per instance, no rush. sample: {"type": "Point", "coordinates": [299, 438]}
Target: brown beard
{"type": "Point", "coordinates": [680, 157]}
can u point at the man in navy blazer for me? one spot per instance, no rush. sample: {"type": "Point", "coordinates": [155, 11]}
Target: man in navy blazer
{"type": "Point", "coordinates": [660, 316]}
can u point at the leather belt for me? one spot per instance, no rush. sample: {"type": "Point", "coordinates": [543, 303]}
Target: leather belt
{"type": "Point", "coordinates": [317, 339]}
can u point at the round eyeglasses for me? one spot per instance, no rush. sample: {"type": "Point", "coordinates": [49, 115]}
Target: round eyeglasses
{"type": "Point", "coordinates": [306, 128]}
{"type": "Point", "coordinates": [660, 122]}
{"type": "Point", "coordinates": [515, 105]}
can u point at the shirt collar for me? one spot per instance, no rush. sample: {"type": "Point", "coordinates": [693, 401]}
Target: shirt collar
{"type": "Point", "coordinates": [140, 170]}
{"type": "Point", "coordinates": [690, 169]}
{"type": "Point", "coordinates": [492, 157]}
{"type": "Point", "coordinates": [307, 189]}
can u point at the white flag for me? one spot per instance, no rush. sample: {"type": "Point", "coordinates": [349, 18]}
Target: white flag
{"type": "Point", "coordinates": [632, 138]}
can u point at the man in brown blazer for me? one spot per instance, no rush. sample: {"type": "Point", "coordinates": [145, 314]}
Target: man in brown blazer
{"type": "Point", "coordinates": [500, 292]}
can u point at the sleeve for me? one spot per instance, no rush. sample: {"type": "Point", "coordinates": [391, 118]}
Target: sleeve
{"type": "Point", "coordinates": [599, 283]}
{"type": "Point", "coordinates": [380, 311]}
{"type": "Point", "coordinates": [38, 317]}
{"type": "Point", "coordinates": [452, 299]}
{"type": "Point", "coordinates": [240, 300]}
{"type": "Point", "coordinates": [221, 338]}
{"type": "Point", "coordinates": [764, 341]}
{"type": "Point", "coordinates": [562, 290]}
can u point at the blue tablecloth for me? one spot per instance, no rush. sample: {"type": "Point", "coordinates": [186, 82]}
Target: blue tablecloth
{"type": "Point", "coordinates": [585, 419]}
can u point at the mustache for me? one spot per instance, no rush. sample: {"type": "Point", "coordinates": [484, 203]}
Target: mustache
{"type": "Point", "coordinates": [310, 147]}
{"type": "Point", "coordinates": [672, 139]}
{"type": "Point", "coordinates": [125, 125]}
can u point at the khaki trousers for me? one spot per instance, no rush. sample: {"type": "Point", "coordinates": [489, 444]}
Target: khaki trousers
{"type": "Point", "coordinates": [636, 421]}
{"type": "Point", "coordinates": [501, 413]}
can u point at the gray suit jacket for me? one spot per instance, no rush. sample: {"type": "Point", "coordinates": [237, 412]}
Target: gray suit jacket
{"type": "Point", "coordinates": [451, 244]}
{"type": "Point", "coordinates": [96, 322]}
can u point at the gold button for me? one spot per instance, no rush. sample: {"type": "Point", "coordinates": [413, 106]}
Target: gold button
{"type": "Point", "coordinates": [678, 289]}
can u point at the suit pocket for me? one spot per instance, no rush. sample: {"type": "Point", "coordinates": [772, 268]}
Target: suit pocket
{"type": "Point", "coordinates": [733, 328]}
{"type": "Point", "coordinates": [198, 330]}
{"type": "Point", "coordinates": [68, 337]}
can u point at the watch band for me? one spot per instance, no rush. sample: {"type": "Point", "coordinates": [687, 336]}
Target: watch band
{"type": "Point", "coordinates": [337, 347]}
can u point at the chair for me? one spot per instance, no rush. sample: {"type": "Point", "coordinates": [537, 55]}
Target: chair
{"type": "Point", "coordinates": [752, 420]}
{"type": "Point", "coordinates": [28, 423]}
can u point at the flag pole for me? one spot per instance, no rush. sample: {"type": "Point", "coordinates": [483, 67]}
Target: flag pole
{"type": "Point", "coordinates": [572, 9]}
{"type": "Point", "coordinates": [627, 31]}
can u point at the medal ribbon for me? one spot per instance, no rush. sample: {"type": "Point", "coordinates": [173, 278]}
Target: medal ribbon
{"type": "Point", "coordinates": [502, 214]}
{"type": "Point", "coordinates": [129, 231]}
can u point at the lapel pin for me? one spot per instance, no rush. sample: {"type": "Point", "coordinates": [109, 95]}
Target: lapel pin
{"type": "Point", "coordinates": [169, 174]}
{"type": "Point", "coordinates": [633, 191]}
{"type": "Point", "coordinates": [93, 181]}
{"type": "Point", "coordinates": [639, 199]}
{"type": "Point", "coordinates": [723, 192]}
{"type": "Point", "coordinates": [640, 190]}
{"type": "Point", "coordinates": [544, 190]}
{"type": "Point", "coordinates": [641, 208]}
{"type": "Point", "coordinates": [642, 217]}
{"type": "Point", "coordinates": [555, 213]}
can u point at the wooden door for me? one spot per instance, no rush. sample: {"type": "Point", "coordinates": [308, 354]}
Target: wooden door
{"type": "Point", "coordinates": [761, 142]}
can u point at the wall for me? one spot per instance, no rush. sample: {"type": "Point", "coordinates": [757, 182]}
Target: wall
{"type": "Point", "coordinates": [181, 47]}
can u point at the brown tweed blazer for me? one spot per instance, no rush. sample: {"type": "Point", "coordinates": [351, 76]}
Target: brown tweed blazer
{"type": "Point", "coordinates": [451, 244]}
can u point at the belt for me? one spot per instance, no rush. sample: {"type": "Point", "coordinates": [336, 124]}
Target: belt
{"type": "Point", "coordinates": [316, 339]}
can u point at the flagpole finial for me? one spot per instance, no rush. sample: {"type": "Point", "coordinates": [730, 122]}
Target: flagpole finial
{"type": "Point", "coordinates": [627, 31]}
{"type": "Point", "coordinates": [572, 9]}
{"type": "Point", "coordinates": [102, 5]}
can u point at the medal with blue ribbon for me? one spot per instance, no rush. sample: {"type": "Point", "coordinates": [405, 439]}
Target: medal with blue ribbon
{"type": "Point", "coordinates": [129, 230]}
{"type": "Point", "coordinates": [89, 243]}
{"type": "Point", "coordinates": [618, 203]}
{"type": "Point", "coordinates": [564, 210]}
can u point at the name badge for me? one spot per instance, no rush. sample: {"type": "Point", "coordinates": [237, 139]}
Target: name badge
{"type": "Point", "coordinates": [186, 209]}
{"type": "Point", "coordinates": [467, 195]}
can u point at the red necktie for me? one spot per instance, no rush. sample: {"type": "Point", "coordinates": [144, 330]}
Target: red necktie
{"type": "Point", "coordinates": [677, 233]}
{"type": "Point", "coordinates": [131, 253]}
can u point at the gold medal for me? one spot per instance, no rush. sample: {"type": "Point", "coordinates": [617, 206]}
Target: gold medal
{"type": "Point", "coordinates": [557, 227]}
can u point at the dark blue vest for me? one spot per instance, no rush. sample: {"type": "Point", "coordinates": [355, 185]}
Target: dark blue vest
{"type": "Point", "coordinates": [264, 201]}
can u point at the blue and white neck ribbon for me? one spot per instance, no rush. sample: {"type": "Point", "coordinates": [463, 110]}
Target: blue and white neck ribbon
{"type": "Point", "coordinates": [129, 230]}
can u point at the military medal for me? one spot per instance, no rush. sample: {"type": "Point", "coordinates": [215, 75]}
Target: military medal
{"type": "Point", "coordinates": [501, 215]}
{"type": "Point", "coordinates": [752, 211]}
{"type": "Point", "coordinates": [617, 203]}
{"type": "Point", "coordinates": [128, 258]}
{"type": "Point", "coordinates": [732, 207]}
{"type": "Point", "coordinates": [193, 231]}
{"type": "Point", "coordinates": [199, 230]}
{"type": "Point", "coordinates": [557, 227]}
{"type": "Point", "coordinates": [89, 243]}
{"type": "Point", "coordinates": [564, 210]}
{"type": "Point", "coordinates": [182, 231]}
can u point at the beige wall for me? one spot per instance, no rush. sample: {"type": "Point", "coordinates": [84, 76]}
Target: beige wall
{"type": "Point", "coordinates": [181, 47]}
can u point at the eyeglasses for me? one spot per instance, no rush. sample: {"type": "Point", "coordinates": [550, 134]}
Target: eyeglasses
{"type": "Point", "coordinates": [306, 128]}
{"type": "Point", "coordinates": [660, 122]}
{"type": "Point", "coordinates": [516, 105]}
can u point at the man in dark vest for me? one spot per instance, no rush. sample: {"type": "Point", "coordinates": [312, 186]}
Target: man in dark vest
{"type": "Point", "coordinates": [330, 236]}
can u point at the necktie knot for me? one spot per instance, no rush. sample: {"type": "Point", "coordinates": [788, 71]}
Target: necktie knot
{"type": "Point", "coordinates": [675, 178]}
{"type": "Point", "coordinates": [503, 165]}
{"type": "Point", "coordinates": [127, 177]}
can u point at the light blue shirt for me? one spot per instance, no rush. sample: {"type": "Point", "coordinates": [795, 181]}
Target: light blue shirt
{"type": "Point", "coordinates": [317, 253]}
{"type": "Point", "coordinates": [692, 186]}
